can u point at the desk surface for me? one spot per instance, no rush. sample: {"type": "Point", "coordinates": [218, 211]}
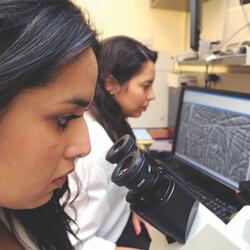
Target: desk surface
{"type": "Point", "coordinates": [162, 145]}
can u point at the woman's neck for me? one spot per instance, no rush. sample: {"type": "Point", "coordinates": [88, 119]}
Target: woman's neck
{"type": "Point", "coordinates": [8, 241]}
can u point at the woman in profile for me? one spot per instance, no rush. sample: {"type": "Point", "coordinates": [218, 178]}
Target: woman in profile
{"type": "Point", "coordinates": [127, 72]}
{"type": "Point", "coordinates": [48, 73]}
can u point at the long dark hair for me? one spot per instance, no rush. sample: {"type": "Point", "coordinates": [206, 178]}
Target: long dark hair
{"type": "Point", "coordinates": [123, 58]}
{"type": "Point", "coordinates": [37, 38]}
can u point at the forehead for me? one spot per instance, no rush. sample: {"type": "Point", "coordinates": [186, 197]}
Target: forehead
{"type": "Point", "coordinates": [148, 70]}
{"type": "Point", "coordinates": [147, 73]}
{"type": "Point", "coordinates": [74, 81]}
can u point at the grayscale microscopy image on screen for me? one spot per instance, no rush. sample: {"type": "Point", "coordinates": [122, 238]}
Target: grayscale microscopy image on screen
{"type": "Point", "coordinates": [215, 138]}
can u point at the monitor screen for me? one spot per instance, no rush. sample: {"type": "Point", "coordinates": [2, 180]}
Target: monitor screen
{"type": "Point", "coordinates": [213, 134]}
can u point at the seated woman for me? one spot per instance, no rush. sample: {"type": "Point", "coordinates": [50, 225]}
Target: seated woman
{"type": "Point", "coordinates": [127, 72]}
{"type": "Point", "coordinates": [48, 73]}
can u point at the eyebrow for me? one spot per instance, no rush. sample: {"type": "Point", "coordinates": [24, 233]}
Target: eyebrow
{"type": "Point", "coordinates": [148, 81]}
{"type": "Point", "coordinates": [79, 102]}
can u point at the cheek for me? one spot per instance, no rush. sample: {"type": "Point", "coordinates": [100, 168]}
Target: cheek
{"type": "Point", "coordinates": [131, 102]}
{"type": "Point", "coordinates": [136, 100]}
{"type": "Point", "coordinates": [134, 97]}
{"type": "Point", "coordinates": [28, 164]}
{"type": "Point", "coordinates": [36, 149]}
{"type": "Point", "coordinates": [137, 94]}
{"type": "Point", "coordinates": [37, 154]}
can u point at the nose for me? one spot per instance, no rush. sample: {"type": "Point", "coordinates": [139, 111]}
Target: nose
{"type": "Point", "coordinates": [78, 142]}
{"type": "Point", "coordinates": [151, 94]}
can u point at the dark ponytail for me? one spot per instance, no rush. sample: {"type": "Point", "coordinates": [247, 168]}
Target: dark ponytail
{"type": "Point", "coordinates": [123, 58]}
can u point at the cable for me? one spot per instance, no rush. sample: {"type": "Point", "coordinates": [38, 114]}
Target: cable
{"type": "Point", "coordinates": [229, 38]}
{"type": "Point", "coordinates": [233, 35]}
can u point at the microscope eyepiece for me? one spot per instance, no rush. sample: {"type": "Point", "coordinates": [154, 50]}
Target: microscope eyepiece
{"type": "Point", "coordinates": [121, 148]}
{"type": "Point", "coordinates": [134, 172]}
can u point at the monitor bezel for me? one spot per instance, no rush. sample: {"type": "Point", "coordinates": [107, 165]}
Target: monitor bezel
{"type": "Point", "coordinates": [209, 91]}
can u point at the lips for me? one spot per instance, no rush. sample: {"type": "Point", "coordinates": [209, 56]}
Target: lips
{"type": "Point", "coordinates": [58, 182]}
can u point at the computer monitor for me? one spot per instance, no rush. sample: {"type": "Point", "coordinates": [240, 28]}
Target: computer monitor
{"type": "Point", "coordinates": [213, 134]}
{"type": "Point", "coordinates": [195, 23]}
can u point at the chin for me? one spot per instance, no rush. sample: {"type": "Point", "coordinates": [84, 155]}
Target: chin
{"type": "Point", "coordinates": [41, 201]}
{"type": "Point", "coordinates": [29, 203]}
{"type": "Point", "coordinates": [135, 114]}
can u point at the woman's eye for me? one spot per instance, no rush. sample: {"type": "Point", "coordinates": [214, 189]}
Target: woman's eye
{"type": "Point", "coordinates": [63, 120]}
{"type": "Point", "coordinates": [146, 86]}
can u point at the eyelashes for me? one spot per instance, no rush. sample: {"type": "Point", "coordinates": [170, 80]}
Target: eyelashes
{"type": "Point", "coordinates": [64, 120]}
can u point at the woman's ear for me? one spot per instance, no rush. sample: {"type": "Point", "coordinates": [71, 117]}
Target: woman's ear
{"type": "Point", "coordinates": [111, 84]}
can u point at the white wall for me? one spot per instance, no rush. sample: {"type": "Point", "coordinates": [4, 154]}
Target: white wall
{"type": "Point", "coordinates": [163, 29]}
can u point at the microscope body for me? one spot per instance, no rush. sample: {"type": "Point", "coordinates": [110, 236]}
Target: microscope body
{"type": "Point", "coordinates": [209, 232]}
{"type": "Point", "coordinates": [155, 193]}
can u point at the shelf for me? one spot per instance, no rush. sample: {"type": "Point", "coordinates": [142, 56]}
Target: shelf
{"type": "Point", "coordinates": [180, 5]}
{"type": "Point", "coordinates": [169, 4]}
{"type": "Point", "coordinates": [227, 60]}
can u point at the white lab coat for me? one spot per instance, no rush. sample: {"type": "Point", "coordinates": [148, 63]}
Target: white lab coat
{"type": "Point", "coordinates": [102, 211]}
